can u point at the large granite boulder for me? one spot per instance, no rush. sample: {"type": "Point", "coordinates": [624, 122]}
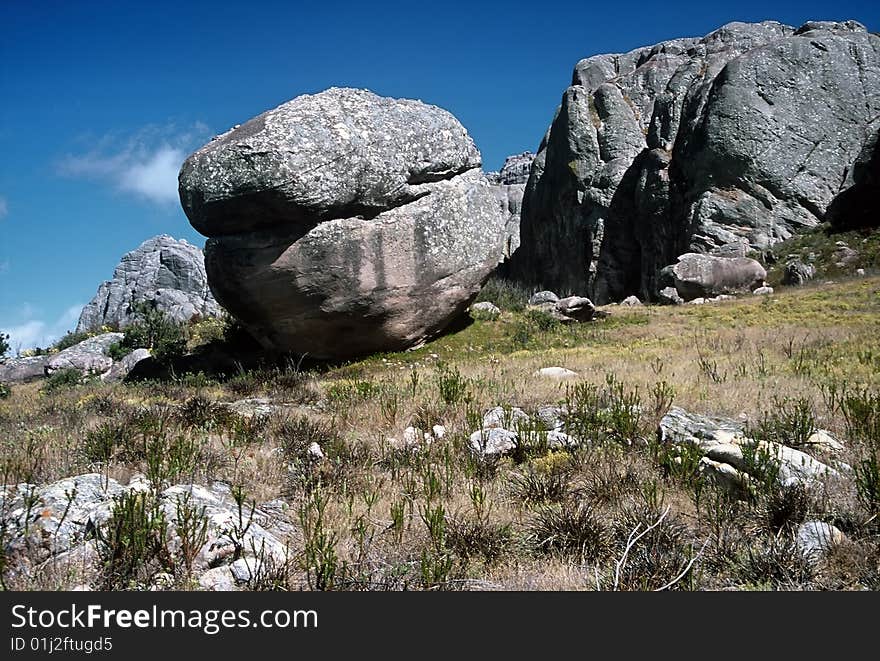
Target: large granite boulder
{"type": "Point", "coordinates": [163, 271]}
{"type": "Point", "coordinates": [344, 223]}
{"type": "Point", "coordinates": [697, 275]}
{"type": "Point", "coordinates": [91, 356]}
{"type": "Point", "coordinates": [721, 144]}
{"type": "Point", "coordinates": [20, 370]}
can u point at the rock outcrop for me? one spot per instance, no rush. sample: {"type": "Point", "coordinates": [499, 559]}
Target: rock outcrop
{"type": "Point", "coordinates": [91, 356]}
{"type": "Point", "coordinates": [509, 185]}
{"type": "Point", "coordinates": [162, 270]}
{"type": "Point", "coordinates": [55, 525]}
{"type": "Point", "coordinates": [344, 223]}
{"type": "Point", "coordinates": [720, 144]}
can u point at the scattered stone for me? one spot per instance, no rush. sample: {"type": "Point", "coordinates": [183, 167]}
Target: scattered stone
{"type": "Point", "coordinates": [697, 301]}
{"type": "Point", "coordinates": [631, 301]}
{"type": "Point", "coordinates": [669, 296]}
{"type": "Point", "coordinates": [724, 441]}
{"type": "Point", "coordinates": [315, 452]}
{"type": "Point", "coordinates": [551, 417]}
{"type": "Point", "coordinates": [825, 441]}
{"type": "Point", "coordinates": [578, 308]}
{"type": "Point", "coordinates": [485, 310]}
{"type": "Point", "coordinates": [218, 579]}
{"type": "Point", "coordinates": [815, 538]}
{"type": "Point", "coordinates": [250, 407]}
{"type": "Point", "coordinates": [556, 373]}
{"type": "Point", "coordinates": [763, 291]}
{"type": "Point", "coordinates": [860, 273]}
{"type": "Point", "coordinates": [797, 273]}
{"type": "Point", "coordinates": [844, 255]}
{"type": "Point", "coordinates": [89, 356]}
{"type": "Point", "coordinates": [725, 476]}
{"type": "Point", "coordinates": [541, 297]}
{"type": "Point", "coordinates": [506, 418]}
{"type": "Point", "coordinates": [493, 441]}
{"type": "Point", "coordinates": [122, 368]}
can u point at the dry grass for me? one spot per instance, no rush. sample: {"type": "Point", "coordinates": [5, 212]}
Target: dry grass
{"type": "Point", "coordinates": [441, 519]}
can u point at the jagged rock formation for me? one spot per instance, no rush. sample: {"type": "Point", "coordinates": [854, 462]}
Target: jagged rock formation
{"type": "Point", "coordinates": [720, 144]}
{"type": "Point", "coordinates": [509, 185]}
{"type": "Point", "coordinates": [162, 270]}
{"type": "Point", "coordinates": [344, 223]}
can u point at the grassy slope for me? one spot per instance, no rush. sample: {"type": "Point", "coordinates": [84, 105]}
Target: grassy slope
{"type": "Point", "coordinates": [732, 358]}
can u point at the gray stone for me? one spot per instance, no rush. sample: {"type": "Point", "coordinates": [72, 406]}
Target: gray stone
{"type": "Point", "coordinates": [344, 223]}
{"type": "Point", "coordinates": [556, 373]}
{"type": "Point", "coordinates": [161, 271]}
{"type": "Point", "coordinates": [504, 417]}
{"type": "Point", "coordinates": [89, 356]}
{"type": "Point", "coordinates": [122, 368]}
{"type": "Point", "coordinates": [703, 276]}
{"type": "Point", "coordinates": [485, 310]}
{"type": "Point", "coordinates": [669, 296]}
{"type": "Point", "coordinates": [797, 273]}
{"type": "Point", "coordinates": [816, 538]}
{"type": "Point", "coordinates": [492, 442]}
{"type": "Point", "coordinates": [631, 301]}
{"type": "Point", "coordinates": [542, 297]}
{"type": "Point", "coordinates": [721, 144]}
{"type": "Point", "coordinates": [578, 308]}
{"type": "Point", "coordinates": [724, 441]}
{"type": "Point", "coordinates": [763, 291]}
{"type": "Point", "coordinates": [509, 185]}
{"type": "Point", "coordinates": [21, 370]}
{"type": "Point", "coordinates": [725, 476]}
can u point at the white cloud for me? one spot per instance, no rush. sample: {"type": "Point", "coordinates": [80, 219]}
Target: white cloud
{"type": "Point", "coordinates": [144, 164]}
{"type": "Point", "coordinates": [4, 207]}
{"type": "Point", "coordinates": [37, 332]}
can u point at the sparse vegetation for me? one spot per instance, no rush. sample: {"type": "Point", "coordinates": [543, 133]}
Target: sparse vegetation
{"type": "Point", "coordinates": [380, 507]}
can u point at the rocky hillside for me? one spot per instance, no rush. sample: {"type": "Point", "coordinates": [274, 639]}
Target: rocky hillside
{"type": "Point", "coordinates": [726, 144]}
{"type": "Point", "coordinates": [162, 271]}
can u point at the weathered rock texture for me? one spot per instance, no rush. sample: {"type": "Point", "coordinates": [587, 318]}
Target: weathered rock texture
{"type": "Point", "coordinates": [722, 144]}
{"type": "Point", "coordinates": [162, 270]}
{"type": "Point", "coordinates": [344, 223]}
{"type": "Point", "coordinates": [697, 275]}
{"type": "Point", "coordinates": [509, 185]}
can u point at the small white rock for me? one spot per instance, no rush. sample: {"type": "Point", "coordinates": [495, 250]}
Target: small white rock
{"type": "Point", "coordinates": [763, 291]}
{"type": "Point", "coordinates": [557, 373]}
{"type": "Point", "coordinates": [315, 452]}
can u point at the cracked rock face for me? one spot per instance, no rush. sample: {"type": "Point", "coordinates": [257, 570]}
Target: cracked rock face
{"type": "Point", "coordinates": [721, 144]}
{"type": "Point", "coordinates": [162, 270]}
{"type": "Point", "coordinates": [344, 223]}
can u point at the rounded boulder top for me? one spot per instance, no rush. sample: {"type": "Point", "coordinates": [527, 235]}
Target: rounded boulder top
{"type": "Point", "coordinates": [340, 153]}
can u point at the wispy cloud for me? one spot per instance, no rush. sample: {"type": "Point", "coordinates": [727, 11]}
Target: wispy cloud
{"type": "Point", "coordinates": [144, 164]}
{"type": "Point", "coordinates": [32, 333]}
{"type": "Point", "coordinates": [4, 207]}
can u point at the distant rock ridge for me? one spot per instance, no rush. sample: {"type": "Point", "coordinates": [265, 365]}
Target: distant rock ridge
{"type": "Point", "coordinates": [162, 270]}
{"type": "Point", "coordinates": [724, 144]}
{"type": "Point", "coordinates": [509, 185]}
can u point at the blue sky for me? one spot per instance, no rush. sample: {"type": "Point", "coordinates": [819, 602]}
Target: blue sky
{"type": "Point", "coordinates": [100, 102]}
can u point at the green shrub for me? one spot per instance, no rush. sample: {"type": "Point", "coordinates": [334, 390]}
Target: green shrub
{"type": "Point", "coordinates": [505, 294]}
{"type": "Point", "coordinates": [133, 546]}
{"type": "Point", "coordinates": [118, 351]}
{"type": "Point", "coordinates": [4, 344]}
{"type": "Point", "coordinates": [71, 338]}
{"type": "Point", "coordinates": [153, 330]}
{"type": "Point", "coordinates": [65, 378]}
{"type": "Point", "coordinates": [5, 390]}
